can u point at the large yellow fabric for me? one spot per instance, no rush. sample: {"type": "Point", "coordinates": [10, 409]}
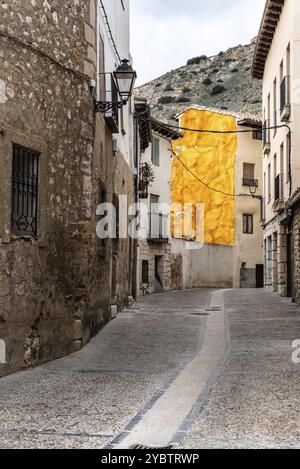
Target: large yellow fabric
{"type": "Point", "coordinates": [212, 158]}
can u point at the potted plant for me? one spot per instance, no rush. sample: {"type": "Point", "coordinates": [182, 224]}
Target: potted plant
{"type": "Point", "coordinates": [147, 176]}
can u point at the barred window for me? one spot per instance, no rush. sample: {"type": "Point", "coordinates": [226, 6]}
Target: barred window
{"type": "Point", "coordinates": [25, 167]}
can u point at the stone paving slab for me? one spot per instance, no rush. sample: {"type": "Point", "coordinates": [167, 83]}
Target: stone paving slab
{"type": "Point", "coordinates": [240, 443]}
{"type": "Point", "coordinates": [100, 389]}
{"type": "Point", "coordinates": [255, 402]}
{"type": "Point", "coordinates": [34, 441]}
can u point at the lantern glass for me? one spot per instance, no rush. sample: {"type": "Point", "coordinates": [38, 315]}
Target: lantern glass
{"type": "Point", "coordinates": [125, 78]}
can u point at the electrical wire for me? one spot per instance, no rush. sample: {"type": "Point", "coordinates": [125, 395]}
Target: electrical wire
{"type": "Point", "coordinates": [264, 129]}
{"type": "Point", "coordinates": [226, 194]}
{"type": "Point", "coordinates": [172, 126]}
{"type": "Point", "coordinates": [109, 30]}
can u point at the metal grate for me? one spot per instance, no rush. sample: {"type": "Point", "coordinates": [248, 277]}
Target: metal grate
{"type": "Point", "coordinates": [25, 167]}
{"type": "Point", "coordinates": [141, 447]}
{"type": "Point", "coordinates": [145, 271]}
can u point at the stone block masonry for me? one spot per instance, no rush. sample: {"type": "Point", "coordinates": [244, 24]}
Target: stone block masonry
{"type": "Point", "coordinates": [54, 287]}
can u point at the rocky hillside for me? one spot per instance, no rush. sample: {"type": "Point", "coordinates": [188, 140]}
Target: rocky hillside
{"type": "Point", "coordinates": [223, 81]}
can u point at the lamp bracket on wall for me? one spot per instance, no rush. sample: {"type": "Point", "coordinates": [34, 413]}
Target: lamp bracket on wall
{"type": "Point", "coordinates": [105, 106]}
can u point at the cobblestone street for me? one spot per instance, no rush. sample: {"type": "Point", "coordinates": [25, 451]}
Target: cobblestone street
{"type": "Point", "coordinates": [197, 369]}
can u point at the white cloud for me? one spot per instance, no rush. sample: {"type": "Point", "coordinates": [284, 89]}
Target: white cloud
{"type": "Point", "coordinates": [165, 37]}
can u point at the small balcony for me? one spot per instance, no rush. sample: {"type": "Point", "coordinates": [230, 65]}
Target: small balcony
{"type": "Point", "coordinates": [112, 116]}
{"type": "Point", "coordinates": [266, 137]}
{"type": "Point", "coordinates": [158, 228]}
{"type": "Point", "coordinates": [285, 101]}
{"type": "Point", "coordinates": [250, 182]}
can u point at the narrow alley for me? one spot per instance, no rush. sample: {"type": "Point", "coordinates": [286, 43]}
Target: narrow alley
{"type": "Point", "coordinates": [200, 368]}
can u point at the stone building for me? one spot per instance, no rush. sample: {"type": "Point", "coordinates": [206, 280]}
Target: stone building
{"type": "Point", "coordinates": [222, 172]}
{"type": "Point", "coordinates": [277, 63]}
{"type": "Point", "coordinates": [59, 283]}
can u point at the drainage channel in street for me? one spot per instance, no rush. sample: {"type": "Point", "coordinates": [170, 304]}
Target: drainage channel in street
{"type": "Point", "coordinates": [167, 417]}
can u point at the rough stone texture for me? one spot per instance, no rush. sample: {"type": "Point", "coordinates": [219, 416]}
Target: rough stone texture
{"type": "Point", "coordinates": [189, 85]}
{"type": "Point", "coordinates": [55, 289]}
{"type": "Point", "coordinates": [248, 278]}
{"type": "Point", "coordinates": [85, 400]}
{"type": "Point", "coordinates": [255, 400]}
{"type": "Point", "coordinates": [282, 261]}
{"type": "Point", "coordinates": [148, 251]}
{"type": "Point", "coordinates": [176, 272]}
{"type": "Point", "coordinates": [296, 237]}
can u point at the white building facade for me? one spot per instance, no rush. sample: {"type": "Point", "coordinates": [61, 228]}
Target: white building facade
{"type": "Point", "coordinates": [277, 62]}
{"type": "Point", "coordinates": [154, 251]}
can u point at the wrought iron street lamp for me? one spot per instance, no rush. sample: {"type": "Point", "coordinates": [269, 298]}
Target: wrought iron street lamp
{"type": "Point", "coordinates": [123, 82]}
{"type": "Point", "coordinates": [125, 78]}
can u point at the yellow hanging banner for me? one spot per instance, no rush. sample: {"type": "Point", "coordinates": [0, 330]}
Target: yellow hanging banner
{"type": "Point", "coordinates": [211, 157]}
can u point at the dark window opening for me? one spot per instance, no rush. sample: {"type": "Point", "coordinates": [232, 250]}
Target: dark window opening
{"type": "Point", "coordinates": [25, 166]}
{"type": "Point", "coordinates": [257, 134]}
{"type": "Point", "coordinates": [145, 271]}
{"type": "Point", "coordinates": [248, 224]}
{"type": "Point", "coordinates": [102, 197]}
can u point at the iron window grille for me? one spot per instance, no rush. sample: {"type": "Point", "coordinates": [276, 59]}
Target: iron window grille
{"type": "Point", "coordinates": [266, 133]}
{"type": "Point", "coordinates": [248, 224]}
{"type": "Point", "coordinates": [25, 169]}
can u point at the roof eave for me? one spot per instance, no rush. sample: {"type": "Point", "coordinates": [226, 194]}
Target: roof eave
{"type": "Point", "coordinates": [270, 19]}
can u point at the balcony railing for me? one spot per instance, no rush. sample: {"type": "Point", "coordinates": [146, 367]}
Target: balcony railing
{"type": "Point", "coordinates": [250, 182]}
{"type": "Point", "coordinates": [285, 101]}
{"type": "Point", "coordinates": [158, 228]}
{"type": "Point", "coordinates": [112, 116]}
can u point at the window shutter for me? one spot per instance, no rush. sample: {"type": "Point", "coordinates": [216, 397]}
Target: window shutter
{"type": "Point", "coordinates": [155, 151]}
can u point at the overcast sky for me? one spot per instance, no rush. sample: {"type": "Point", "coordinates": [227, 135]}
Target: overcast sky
{"type": "Point", "coordinates": [166, 33]}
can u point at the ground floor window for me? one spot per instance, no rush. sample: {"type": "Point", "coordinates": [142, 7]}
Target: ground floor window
{"type": "Point", "coordinates": [145, 271]}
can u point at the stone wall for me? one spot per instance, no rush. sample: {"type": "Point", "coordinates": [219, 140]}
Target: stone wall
{"type": "Point", "coordinates": [176, 272]}
{"type": "Point", "coordinates": [55, 288]}
{"type": "Point", "coordinates": [296, 236]}
{"type": "Point", "coordinates": [148, 251]}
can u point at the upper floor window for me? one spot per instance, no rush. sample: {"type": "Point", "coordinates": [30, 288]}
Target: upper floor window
{"type": "Point", "coordinates": [275, 106]}
{"type": "Point", "coordinates": [155, 158]}
{"type": "Point", "coordinates": [249, 171]}
{"type": "Point", "coordinates": [25, 165]}
{"type": "Point", "coordinates": [249, 175]}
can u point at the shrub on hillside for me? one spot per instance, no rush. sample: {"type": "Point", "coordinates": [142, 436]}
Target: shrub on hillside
{"type": "Point", "coordinates": [207, 81]}
{"type": "Point", "coordinates": [182, 99]}
{"type": "Point", "coordinates": [166, 100]}
{"type": "Point", "coordinates": [169, 88]}
{"type": "Point", "coordinates": [218, 89]}
{"type": "Point", "coordinates": [196, 60]}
